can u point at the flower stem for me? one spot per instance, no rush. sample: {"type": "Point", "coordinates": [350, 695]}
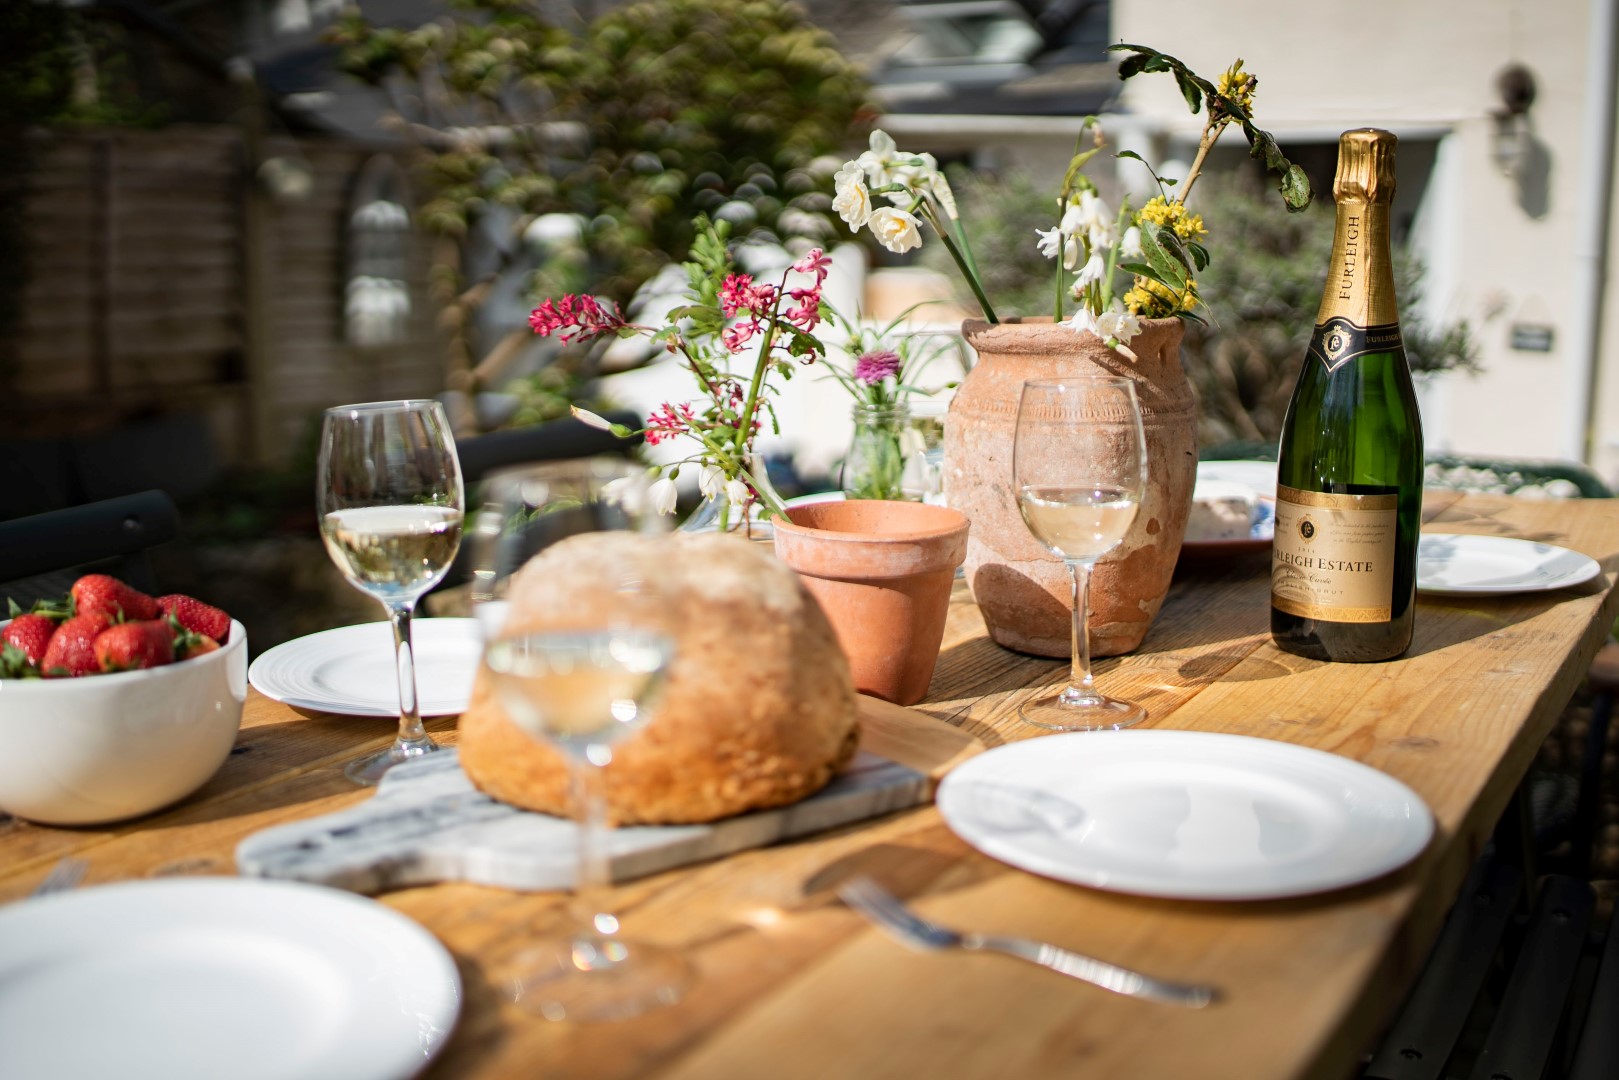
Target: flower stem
{"type": "Point", "coordinates": [962, 263]}
{"type": "Point", "coordinates": [1211, 135]}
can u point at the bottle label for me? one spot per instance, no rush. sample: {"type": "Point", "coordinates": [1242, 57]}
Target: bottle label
{"type": "Point", "coordinates": [1333, 556]}
{"type": "Point", "coordinates": [1338, 341]}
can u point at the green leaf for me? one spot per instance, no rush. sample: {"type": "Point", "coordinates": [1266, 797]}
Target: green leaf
{"type": "Point", "coordinates": [1189, 90]}
{"type": "Point", "coordinates": [11, 606]}
{"type": "Point", "coordinates": [1200, 255]}
{"type": "Point", "coordinates": [1075, 165]}
{"type": "Point", "coordinates": [1295, 188]}
{"type": "Point", "coordinates": [1131, 65]}
{"type": "Point", "coordinates": [1138, 269]}
{"type": "Point", "coordinates": [1133, 156]}
{"type": "Point", "coordinates": [1169, 267]}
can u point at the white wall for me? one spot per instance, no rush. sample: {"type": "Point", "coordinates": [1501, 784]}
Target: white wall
{"type": "Point", "coordinates": [1429, 66]}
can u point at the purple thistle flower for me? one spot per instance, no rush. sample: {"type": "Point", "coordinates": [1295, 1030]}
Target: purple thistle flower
{"type": "Point", "coordinates": [873, 367]}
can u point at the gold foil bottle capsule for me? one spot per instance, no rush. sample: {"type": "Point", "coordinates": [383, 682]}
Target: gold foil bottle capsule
{"type": "Point", "coordinates": [1365, 166]}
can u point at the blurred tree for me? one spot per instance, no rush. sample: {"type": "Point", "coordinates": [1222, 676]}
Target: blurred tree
{"type": "Point", "coordinates": [1262, 289]}
{"type": "Point", "coordinates": [1262, 301]}
{"type": "Point", "coordinates": [629, 125]}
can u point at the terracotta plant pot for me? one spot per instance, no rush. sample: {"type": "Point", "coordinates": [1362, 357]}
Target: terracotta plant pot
{"type": "Point", "coordinates": [882, 572]}
{"type": "Point", "coordinates": [1022, 590]}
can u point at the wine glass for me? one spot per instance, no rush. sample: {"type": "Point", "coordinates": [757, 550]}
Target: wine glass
{"type": "Point", "coordinates": [576, 657]}
{"type": "Point", "coordinates": [1079, 467]}
{"type": "Point", "coordinates": [390, 501]}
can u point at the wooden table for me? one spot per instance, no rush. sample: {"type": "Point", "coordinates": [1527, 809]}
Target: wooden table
{"type": "Point", "coordinates": [791, 984]}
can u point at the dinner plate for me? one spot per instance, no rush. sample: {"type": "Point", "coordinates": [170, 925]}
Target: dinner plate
{"type": "Point", "coordinates": [1184, 814]}
{"type": "Point", "coordinates": [202, 978]}
{"type": "Point", "coordinates": [350, 670]}
{"type": "Point", "coordinates": [1452, 564]}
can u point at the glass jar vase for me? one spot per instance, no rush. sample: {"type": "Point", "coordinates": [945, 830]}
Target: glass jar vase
{"type": "Point", "coordinates": [885, 459]}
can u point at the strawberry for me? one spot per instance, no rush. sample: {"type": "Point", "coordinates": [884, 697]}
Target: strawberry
{"type": "Point", "coordinates": [31, 634]}
{"type": "Point", "coordinates": [72, 648]}
{"type": "Point", "coordinates": [192, 644]}
{"type": "Point", "coordinates": [127, 646]}
{"type": "Point", "coordinates": [111, 597]}
{"type": "Point", "coordinates": [196, 616]}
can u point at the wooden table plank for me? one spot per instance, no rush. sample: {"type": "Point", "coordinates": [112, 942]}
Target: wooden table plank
{"type": "Point", "coordinates": [792, 984]}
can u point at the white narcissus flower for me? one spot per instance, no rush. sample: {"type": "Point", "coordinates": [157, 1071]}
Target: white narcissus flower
{"type": "Point", "coordinates": [877, 160]}
{"type": "Point", "coordinates": [853, 201]}
{"type": "Point", "coordinates": [710, 480]}
{"type": "Point", "coordinates": [663, 495]}
{"type": "Point", "coordinates": [1130, 245]}
{"type": "Point", "coordinates": [585, 416]}
{"type": "Point", "coordinates": [737, 491]}
{"type": "Point", "coordinates": [895, 230]}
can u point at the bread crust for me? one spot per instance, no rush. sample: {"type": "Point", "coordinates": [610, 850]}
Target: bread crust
{"type": "Point", "coordinates": [758, 708]}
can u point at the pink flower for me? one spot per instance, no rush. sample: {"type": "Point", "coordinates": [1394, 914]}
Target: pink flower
{"type": "Point", "coordinates": [582, 314]}
{"type": "Point", "coordinates": [668, 421]}
{"type": "Point", "coordinates": [814, 263]}
{"type": "Point", "coordinates": [737, 336]}
{"type": "Point", "coordinates": [873, 367]}
{"type": "Point", "coordinates": [736, 293]}
{"type": "Point", "coordinates": [739, 293]}
{"type": "Point", "coordinates": [807, 315]}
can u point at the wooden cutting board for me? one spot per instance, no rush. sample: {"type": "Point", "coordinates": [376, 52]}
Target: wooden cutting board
{"type": "Point", "coordinates": [427, 823]}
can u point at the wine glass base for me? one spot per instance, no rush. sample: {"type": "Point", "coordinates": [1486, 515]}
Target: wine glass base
{"type": "Point", "coordinates": [1054, 713]}
{"type": "Point", "coordinates": [366, 771]}
{"type": "Point", "coordinates": [592, 977]}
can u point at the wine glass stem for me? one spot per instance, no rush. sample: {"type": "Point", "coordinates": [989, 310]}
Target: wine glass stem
{"type": "Point", "coordinates": [411, 732]}
{"type": "Point", "coordinates": [1081, 685]}
{"type": "Point", "coordinates": [595, 872]}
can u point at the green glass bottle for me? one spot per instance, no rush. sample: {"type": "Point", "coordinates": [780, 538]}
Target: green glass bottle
{"type": "Point", "coordinates": [1349, 476]}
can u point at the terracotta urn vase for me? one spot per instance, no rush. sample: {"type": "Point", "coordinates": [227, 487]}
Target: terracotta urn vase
{"type": "Point", "coordinates": [1023, 591]}
{"type": "Point", "coordinates": [882, 572]}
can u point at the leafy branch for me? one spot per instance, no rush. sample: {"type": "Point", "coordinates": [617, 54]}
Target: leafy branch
{"type": "Point", "coordinates": [1223, 109]}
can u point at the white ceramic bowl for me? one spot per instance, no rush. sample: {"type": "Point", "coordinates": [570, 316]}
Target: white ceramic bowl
{"type": "Point", "coordinates": [106, 747]}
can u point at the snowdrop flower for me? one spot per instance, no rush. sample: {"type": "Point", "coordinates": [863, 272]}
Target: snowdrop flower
{"type": "Point", "coordinates": [1130, 245]}
{"type": "Point", "coordinates": [1050, 242]}
{"type": "Point", "coordinates": [621, 491]}
{"type": "Point", "coordinates": [1095, 269]}
{"type": "Point", "coordinates": [663, 495]}
{"type": "Point", "coordinates": [895, 229]}
{"type": "Point", "coordinates": [853, 201]}
{"type": "Point", "coordinates": [1116, 322]}
{"type": "Point", "coordinates": [710, 480]}
{"type": "Point", "coordinates": [737, 491]}
{"type": "Point", "coordinates": [1083, 322]}
{"type": "Point", "coordinates": [1072, 250]}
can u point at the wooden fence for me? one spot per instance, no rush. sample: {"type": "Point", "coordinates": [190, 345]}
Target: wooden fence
{"type": "Point", "coordinates": [161, 279]}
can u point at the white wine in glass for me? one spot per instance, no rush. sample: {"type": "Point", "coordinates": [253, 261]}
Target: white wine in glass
{"type": "Point", "coordinates": [581, 676]}
{"type": "Point", "coordinates": [390, 501]}
{"type": "Point", "coordinates": [1079, 467]}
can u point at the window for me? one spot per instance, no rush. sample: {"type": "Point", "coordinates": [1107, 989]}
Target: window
{"type": "Point", "coordinates": [376, 302]}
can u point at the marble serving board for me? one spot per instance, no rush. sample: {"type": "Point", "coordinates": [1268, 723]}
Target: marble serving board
{"type": "Point", "coordinates": [427, 823]}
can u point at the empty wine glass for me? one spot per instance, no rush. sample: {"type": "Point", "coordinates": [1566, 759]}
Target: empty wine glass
{"type": "Point", "coordinates": [1079, 469]}
{"type": "Point", "coordinates": [575, 660]}
{"type": "Point", "coordinates": [390, 502]}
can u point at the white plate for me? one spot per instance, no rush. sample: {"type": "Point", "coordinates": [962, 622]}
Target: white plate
{"type": "Point", "coordinates": [1258, 475]}
{"type": "Point", "coordinates": [350, 670]}
{"type": "Point", "coordinates": [1458, 565]}
{"type": "Point", "coordinates": [218, 977]}
{"type": "Point", "coordinates": [1184, 814]}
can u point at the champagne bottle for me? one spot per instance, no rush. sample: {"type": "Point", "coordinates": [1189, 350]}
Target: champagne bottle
{"type": "Point", "coordinates": [1349, 475]}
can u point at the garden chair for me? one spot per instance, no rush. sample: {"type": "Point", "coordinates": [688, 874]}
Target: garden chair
{"type": "Point", "coordinates": [40, 555]}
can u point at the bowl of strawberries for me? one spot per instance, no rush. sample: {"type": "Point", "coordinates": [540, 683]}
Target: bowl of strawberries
{"type": "Point", "coordinates": [114, 703]}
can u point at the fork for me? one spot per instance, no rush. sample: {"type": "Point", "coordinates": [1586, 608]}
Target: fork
{"type": "Point", "coordinates": [882, 908]}
{"type": "Point", "coordinates": [63, 876]}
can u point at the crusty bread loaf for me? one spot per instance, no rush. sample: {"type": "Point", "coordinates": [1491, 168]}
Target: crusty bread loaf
{"type": "Point", "coordinates": [758, 708]}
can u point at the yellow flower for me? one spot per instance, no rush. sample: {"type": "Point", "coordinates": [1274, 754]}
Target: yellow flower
{"type": "Point", "coordinates": [1237, 85]}
{"type": "Point", "coordinates": [1152, 300]}
{"type": "Point", "coordinates": [1161, 211]}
